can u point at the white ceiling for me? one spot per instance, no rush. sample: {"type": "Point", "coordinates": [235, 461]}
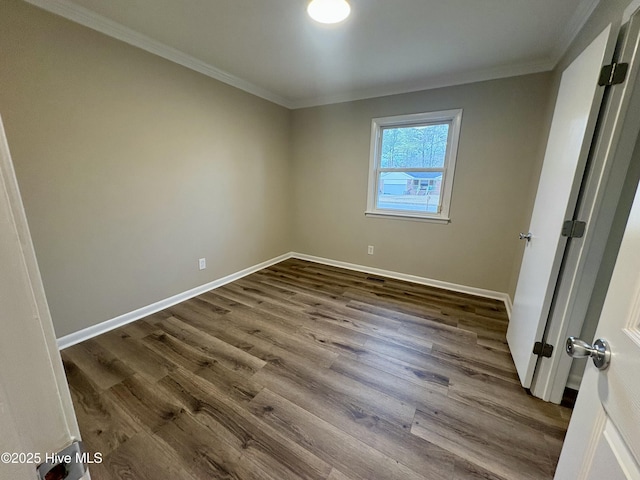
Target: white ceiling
{"type": "Point", "coordinates": [272, 49]}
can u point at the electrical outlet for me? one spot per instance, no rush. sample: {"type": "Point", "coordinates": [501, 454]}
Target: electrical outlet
{"type": "Point", "coordinates": [202, 263]}
{"type": "Point", "coordinates": [370, 249]}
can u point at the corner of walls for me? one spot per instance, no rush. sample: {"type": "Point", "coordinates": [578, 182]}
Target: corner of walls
{"type": "Point", "coordinates": [132, 167]}
{"type": "Point", "coordinates": [454, 287]}
{"type": "Point", "coordinates": [108, 325]}
{"type": "Point", "coordinates": [503, 125]}
{"type": "Point", "coordinates": [290, 192]}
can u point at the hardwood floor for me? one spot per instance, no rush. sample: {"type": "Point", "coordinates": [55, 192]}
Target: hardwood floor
{"type": "Point", "coordinates": [307, 371]}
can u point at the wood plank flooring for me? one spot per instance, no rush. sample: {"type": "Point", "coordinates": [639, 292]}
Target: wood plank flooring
{"type": "Point", "coordinates": [305, 371]}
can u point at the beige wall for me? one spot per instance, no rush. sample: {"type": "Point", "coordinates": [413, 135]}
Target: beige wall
{"type": "Point", "coordinates": [501, 143]}
{"type": "Point", "coordinates": [131, 168]}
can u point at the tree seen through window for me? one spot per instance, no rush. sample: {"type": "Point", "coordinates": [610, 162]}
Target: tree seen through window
{"type": "Point", "coordinates": [414, 147]}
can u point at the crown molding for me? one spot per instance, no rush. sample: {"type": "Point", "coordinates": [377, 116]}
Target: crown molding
{"type": "Point", "coordinates": [578, 20]}
{"type": "Point", "coordinates": [92, 20]}
{"type": "Point", "coordinates": [631, 9]}
{"type": "Point", "coordinates": [429, 84]}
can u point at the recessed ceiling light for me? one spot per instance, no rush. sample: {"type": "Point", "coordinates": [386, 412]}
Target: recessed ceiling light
{"type": "Point", "coordinates": [329, 11]}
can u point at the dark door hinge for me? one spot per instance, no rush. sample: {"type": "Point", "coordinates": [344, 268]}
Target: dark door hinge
{"type": "Point", "coordinates": [613, 74]}
{"type": "Point", "coordinates": [573, 229]}
{"type": "Point", "coordinates": [542, 349]}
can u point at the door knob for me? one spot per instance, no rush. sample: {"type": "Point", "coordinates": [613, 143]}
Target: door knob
{"type": "Point", "coordinates": [599, 352]}
{"type": "Point", "coordinates": [525, 236]}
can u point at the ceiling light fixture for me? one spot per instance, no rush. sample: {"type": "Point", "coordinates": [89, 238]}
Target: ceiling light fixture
{"type": "Point", "coordinates": [329, 11]}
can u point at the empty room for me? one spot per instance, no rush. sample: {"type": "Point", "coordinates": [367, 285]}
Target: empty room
{"type": "Point", "coordinates": [328, 239]}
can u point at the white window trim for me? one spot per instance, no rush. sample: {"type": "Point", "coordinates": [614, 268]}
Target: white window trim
{"type": "Point", "coordinates": [377, 124]}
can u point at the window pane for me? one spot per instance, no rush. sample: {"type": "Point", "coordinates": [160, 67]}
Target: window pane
{"type": "Point", "coordinates": [414, 147]}
{"type": "Point", "coordinates": [409, 191]}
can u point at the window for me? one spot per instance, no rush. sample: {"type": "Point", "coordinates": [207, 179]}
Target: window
{"type": "Point", "coordinates": [412, 163]}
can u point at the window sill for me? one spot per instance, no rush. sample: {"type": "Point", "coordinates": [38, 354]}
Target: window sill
{"type": "Point", "coordinates": [407, 216]}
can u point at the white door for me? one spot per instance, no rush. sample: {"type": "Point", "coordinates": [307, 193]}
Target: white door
{"type": "Point", "coordinates": [601, 197]}
{"type": "Point", "coordinates": [603, 440]}
{"type": "Point", "coordinates": [36, 413]}
{"type": "Point", "coordinates": [572, 128]}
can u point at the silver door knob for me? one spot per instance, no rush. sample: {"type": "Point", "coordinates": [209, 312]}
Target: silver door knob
{"type": "Point", "coordinates": [599, 352]}
{"type": "Point", "coordinates": [525, 236]}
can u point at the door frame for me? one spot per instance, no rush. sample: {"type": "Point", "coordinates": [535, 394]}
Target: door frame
{"type": "Point", "coordinates": [590, 419]}
{"type": "Point", "coordinates": [57, 395]}
{"type": "Point", "coordinates": [599, 201]}
{"type": "Point", "coordinates": [577, 107]}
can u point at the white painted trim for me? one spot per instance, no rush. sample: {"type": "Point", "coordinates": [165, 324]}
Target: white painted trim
{"type": "Point", "coordinates": [39, 324]}
{"type": "Point", "coordinates": [92, 20]}
{"type": "Point", "coordinates": [83, 16]}
{"type": "Point", "coordinates": [108, 325]}
{"type": "Point", "coordinates": [508, 303]}
{"type": "Point", "coordinates": [454, 119]}
{"type": "Point", "coordinates": [480, 292]}
{"type": "Point", "coordinates": [428, 84]}
{"type": "Point", "coordinates": [407, 216]}
{"type": "Point", "coordinates": [103, 327]}
{"type": "Point", "coordinates": [630, 10]}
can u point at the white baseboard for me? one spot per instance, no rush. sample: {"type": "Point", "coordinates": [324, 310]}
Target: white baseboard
{"type": "Point", "coordinates": [480, 292]}
{"type": "Point", "coordinates": [103, 327]}
{"type": "Point", "coordinates": [508, 304]}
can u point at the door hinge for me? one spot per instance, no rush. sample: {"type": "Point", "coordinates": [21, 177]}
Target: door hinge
{"type": "Point", "coordinates": [613, 74]}
{"type": "Point", "coordinates": [573, 229]}
{"type": "Point", "coordinates": [542, 349]}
